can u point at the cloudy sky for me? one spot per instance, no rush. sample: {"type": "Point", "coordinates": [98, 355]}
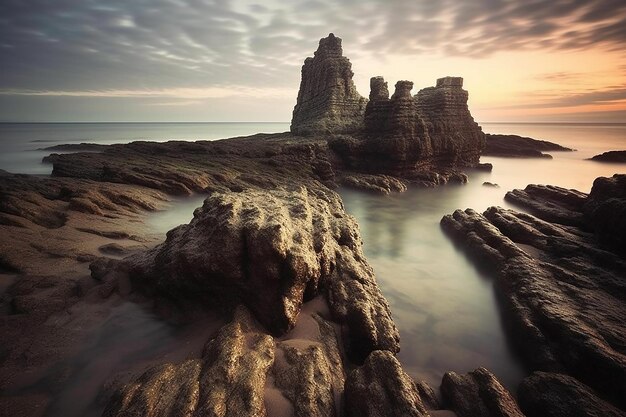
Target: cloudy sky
{"type": "Point", "coordinates": [239, 60]}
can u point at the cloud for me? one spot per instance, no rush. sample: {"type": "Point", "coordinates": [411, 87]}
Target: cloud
{"type": "Point", "coordinates": [609, 95]}
{"type": "Point", "coordinates": [66, 45]}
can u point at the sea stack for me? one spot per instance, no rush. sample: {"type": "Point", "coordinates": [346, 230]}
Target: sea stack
{"type": "Point", "coordinates": [399, 135]}
{"type": "Point", "coordinates": [328, 101]}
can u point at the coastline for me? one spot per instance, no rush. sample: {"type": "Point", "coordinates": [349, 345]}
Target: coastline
{"type": "Point", "coordinates": [284, 310]}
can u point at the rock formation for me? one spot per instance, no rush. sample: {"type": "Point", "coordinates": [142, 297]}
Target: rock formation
{"type": "Point", "coordinates": [380, 387]}
{"type": "Point", "coordinates": [271, 250]}
{"type": "Point", "coordinates": [456, 138]}
{"type": "Point", "coordinates": [327, 100]}
{"type": "Point", "coordinates": [561, 288]}
{"type": "Point", "coordinates": [611, 156]}
{"type": "Point", "coordinates": [546, 394]}
{"type": "Point", "coordinates": [478, 394]}
{"type": "Point", "coordinates": [513, 146]}
{"type": "Point", "coordinates": [400, 135]}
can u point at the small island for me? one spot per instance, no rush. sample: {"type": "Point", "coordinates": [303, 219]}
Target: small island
{"type": "Point", "coordinates": [611, 156]}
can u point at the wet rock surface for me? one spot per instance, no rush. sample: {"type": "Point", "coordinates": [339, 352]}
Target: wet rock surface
{"type": "Point", "coordinates": [562, 292]}
{"type": "Point", "coordinates": [478, 394]}
{"type": "Point", "coordinates": [513, 146]}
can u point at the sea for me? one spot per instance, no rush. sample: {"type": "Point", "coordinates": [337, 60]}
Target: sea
{"type": "Point", "coordinates": [444, 307]}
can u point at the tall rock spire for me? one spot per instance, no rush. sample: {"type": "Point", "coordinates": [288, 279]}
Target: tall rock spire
{"type": "Point", "coordinates": [328, 101]}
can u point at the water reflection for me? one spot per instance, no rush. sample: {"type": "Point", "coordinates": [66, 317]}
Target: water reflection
{"type": "Point", "coordinates": [445, 310]}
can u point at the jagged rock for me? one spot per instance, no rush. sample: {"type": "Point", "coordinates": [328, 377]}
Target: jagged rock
{"type": "Point", "coordinates": [381, 388]}
{"type": "Point", "coordinates": [555, 395]}
{"type": "Point", "coordinates": [478, 394]}
{"type": "Point", "coordinates": [327, 100]}
{"type": "Point", "coordinates": [380, 184]}
{"type": "Point", "coordinates": [396, 135]}
{"type": "Point", "coordinates": [513, 146]}
{"type": "Point", "coordinates": [490, 184]}
{"type": "Point", "coordinates": [271, 250]}
{"type": "Point", "coordinates": [605, 210]}
{"type": "Point", "coordinates": [562, 296]}
{"type": "Point", "coordinates": [427, 395]}
{"type": "Point", "coordinates": [229, 379]}
{"type": "Point", "coordinates": [455, 137]}
{"type": "Point", "coordinates": [611, 156]}
{"type": "Point", "coordinates": [551, 203]}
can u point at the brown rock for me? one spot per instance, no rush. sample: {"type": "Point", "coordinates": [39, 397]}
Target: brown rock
{"type": "Point", "coordinates": [272, 250]}
{"type": "Point", "coordinates": [229, 379]}
{"type": "Point", "coordinates": [478, 394]}
{"type": "Point", "coordinates": [327, 100]}
{"type": "Point", "coordinates": [555, 395]}
{"type": "Point", "coordinates": [381, 388]}
{"type": "Point", "coordinates": [562, 295]}
{"type": "Point", "coordinates": [513, 146]}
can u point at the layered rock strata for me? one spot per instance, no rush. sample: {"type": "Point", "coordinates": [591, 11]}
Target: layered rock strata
{"type": "Point", "coordinates": [395, 135]}
{"type": "Point", "coordinates": [327, 100]}
{"type": "Point", "coordinates": [559, 279]}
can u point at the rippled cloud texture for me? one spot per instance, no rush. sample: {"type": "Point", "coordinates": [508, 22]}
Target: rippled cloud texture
{"type": "Point", "coordinates": [226, 60]}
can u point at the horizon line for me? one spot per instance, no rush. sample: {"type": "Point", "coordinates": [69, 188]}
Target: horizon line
{"type": "Point", "coordinates": [283, 122]}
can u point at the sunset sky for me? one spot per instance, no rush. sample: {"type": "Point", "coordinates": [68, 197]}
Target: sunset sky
{"type": "Point", "coordinates": [240, 60]}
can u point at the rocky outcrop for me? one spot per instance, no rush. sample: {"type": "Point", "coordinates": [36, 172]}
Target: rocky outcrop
{"type": "Point", "coordinates": [378, 184]}
{"type": "Point", "coordinates": [605, 210]}
{"type": "Point", "coordinates": [236, 361]}
{"type": "Point", "coordinates": [381, 388]}
{"type": "Point", "coordinates": [478, 394]}
{"type": "Point", "coordinates": [271, 250]}
{"type": "Point", "coordinates": [456, 139]}
{"type": "Point", "coordinates": [551, 203]}
{"type": "Point", "coordinates": [555, 395]}
{"type": "Point", "coordinates": [391, 135]}
{"type": "Point", "coordinates": [513, 146]}
{"type": "Point", "coordinates": [562, 294]}
{"type": "Point", "coordinates": [327, 100]}
{"type": "Point", "coordinates": [611, 156]}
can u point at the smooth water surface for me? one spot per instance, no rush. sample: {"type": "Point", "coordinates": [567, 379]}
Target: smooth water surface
{"type": "Point", "coordinates": [444, 308]}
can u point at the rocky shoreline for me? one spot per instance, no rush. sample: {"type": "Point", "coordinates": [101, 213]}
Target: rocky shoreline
{"type": "Point", "coordinates": [298, 325]}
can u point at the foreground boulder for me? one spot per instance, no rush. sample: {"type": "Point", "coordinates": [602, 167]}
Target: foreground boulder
{"type": "Point", "coordinates": [270, 250]}
{"type": "Point", "coordinates": [562, 293]}
{"type": "Point", "coordinates": [478, 394]}
{"type": "Point", "coordinates": [381, 388]}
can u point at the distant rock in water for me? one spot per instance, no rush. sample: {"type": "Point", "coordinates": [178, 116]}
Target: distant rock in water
{"type": "Point", "coordinates": [395, 135]}
{"type": "Point", "coordinates": [513, 146]}
{"type": "Point", "coordinates": [611, 156]}
{"type": "Point", "coordinates": [327, 100]}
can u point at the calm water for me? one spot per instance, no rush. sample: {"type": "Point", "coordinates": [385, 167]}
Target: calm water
{"type": "Point", "coordinates": [444, 308]}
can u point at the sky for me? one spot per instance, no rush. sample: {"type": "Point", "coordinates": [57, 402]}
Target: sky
{"type": "Point", "coordinates": [240, 60]}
